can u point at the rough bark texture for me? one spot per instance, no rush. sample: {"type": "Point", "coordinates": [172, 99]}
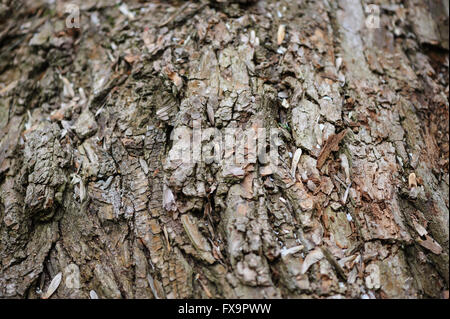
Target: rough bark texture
{"type": "Point", "coordinates": [86, 177]}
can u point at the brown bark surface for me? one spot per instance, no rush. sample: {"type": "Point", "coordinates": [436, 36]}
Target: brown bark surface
{"type": "Point", "coordinates": [89, 184]}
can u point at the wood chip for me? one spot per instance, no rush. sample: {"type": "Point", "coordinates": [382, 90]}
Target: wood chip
{"type": "Point", "coordinates": [285, 104]}
{"type": "Point", "coordinates": [53, 286]}
{"type": "Point", "coordinates": [313, 257]}
{"type": "Point", "coordinates": [412, 181]}
{"type": "Point", "coordinates": [431, 245]}
{"type": "Point", "coordinates": [82, 191]}
{"type": "Point", "coordinates": [292, 250]}
{"type": "Point", "coordinates": [295, 161]}
{"type": "Point", "coordinates": [93, 294]}
{"type": "Point", "coordinates": [210, 112]}
{"type": "Point", "coordinates": [174, 77]}
{"type": "Point", "coordinates": [144, 165]}
{"type": "Point", "coordinates": [131, 58]}
{"type": "Point", "coordinates": [166, 235]}
{"type": "Point", "coordinates": [169, 199]}
{"type": "Point", "coordinates": [420, 229]}
{"type": "Point", "coordinates": [331, 145]}
{"type": "Point", "coordinates": [345, 196]}
{"type": "Point", "coordinates": [57, 115]}
{"type": "Point", "coordinates": [67, 87]}
{"type": "Point", "coordinates": [281, 34]}
{"type": "Point", "coordinates": [152, 286]}
{"type": "Point", "coordinates": [345, 167]}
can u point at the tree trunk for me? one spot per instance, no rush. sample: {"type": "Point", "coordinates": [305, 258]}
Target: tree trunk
{"type": "Point", "coordinates": [353, 205]}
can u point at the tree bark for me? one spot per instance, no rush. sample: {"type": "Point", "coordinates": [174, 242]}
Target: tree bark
{"type": "Point", "coordinates": [356, 207]}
